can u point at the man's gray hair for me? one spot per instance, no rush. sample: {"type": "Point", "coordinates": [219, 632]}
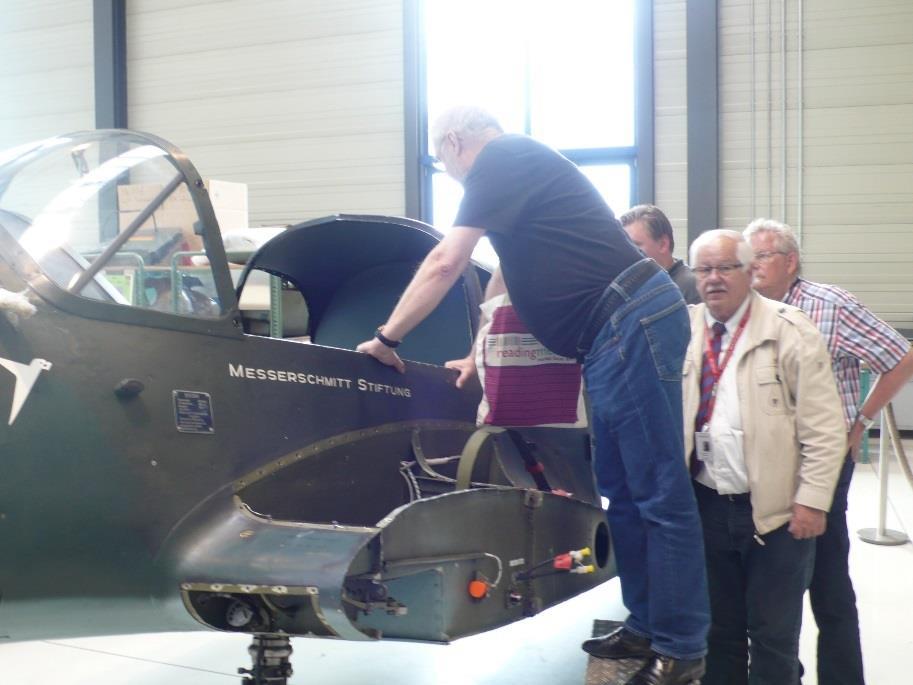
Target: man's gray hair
{"type": "Point", "coordinates": [784, 235]}
{"type": "Point", "coordinates": [466, 121]}
{"type": "Point", "coordinates": [743, 250]}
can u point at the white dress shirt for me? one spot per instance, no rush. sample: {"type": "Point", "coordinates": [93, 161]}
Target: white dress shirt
{"type": "Point", "coordinates": [726, 472]}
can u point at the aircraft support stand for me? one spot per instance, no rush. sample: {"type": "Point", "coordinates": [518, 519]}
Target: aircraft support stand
{"type": "Point", "coordinates": [270, 654]}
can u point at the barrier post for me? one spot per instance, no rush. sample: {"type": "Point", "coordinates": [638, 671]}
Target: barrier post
{"type": "Point", "coordinates": [881, 535]}
{"type": "Point", "coordinates": [865, 380]}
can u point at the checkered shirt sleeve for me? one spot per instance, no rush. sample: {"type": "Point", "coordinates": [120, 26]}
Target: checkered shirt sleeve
{"type": "Point", "coordinates": [852, 334]}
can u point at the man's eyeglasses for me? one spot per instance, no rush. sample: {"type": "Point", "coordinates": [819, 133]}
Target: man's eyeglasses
{"type": "Point", "coordinates": [766, 256]}
{"type": "Point", "coordinates": [722, 269]}
{"type": "Point", "coordinates": [436, 165]}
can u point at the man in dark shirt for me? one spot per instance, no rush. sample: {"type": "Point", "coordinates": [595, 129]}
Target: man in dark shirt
{"type": "Point", "coordinates": [583, 289]}
{"type": "Point", "coordinates": [649, 228]}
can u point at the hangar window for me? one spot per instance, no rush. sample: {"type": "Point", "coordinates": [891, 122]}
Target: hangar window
{"type": "Point", "coordinates": [564, 73]}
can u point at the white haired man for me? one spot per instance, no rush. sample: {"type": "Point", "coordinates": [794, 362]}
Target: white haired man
{"type": "Point", "coordinates": [853, 334]}
{"type": "Point", "coordinates": [584, 290]}
{"type": "Point", "coordinates": [765, 444]}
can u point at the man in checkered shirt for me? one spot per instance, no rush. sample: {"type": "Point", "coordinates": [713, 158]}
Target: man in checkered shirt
{"type": "Point", "coordinates": [853, 334]}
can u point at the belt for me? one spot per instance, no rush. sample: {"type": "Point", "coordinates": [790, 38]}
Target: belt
{"type": "Point", "coordinates": [737, 497]}
{"type": "Point", "coordinates": [616, 294]}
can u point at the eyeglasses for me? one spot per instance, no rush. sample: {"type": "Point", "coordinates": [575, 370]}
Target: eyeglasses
{"type": "Point", "coordinates": [722, 269]}
{"type": "Point", "coordinates": [766, 256]}
{"type": "Point", "coordinates": [435, 164]}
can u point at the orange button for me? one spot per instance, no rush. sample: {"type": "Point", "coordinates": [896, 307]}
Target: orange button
{"type": "Point", "coordinates": [478, 589]}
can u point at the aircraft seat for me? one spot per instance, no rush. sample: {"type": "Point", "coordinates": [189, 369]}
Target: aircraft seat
{"type": "Point", "coordinates": [363, 302]}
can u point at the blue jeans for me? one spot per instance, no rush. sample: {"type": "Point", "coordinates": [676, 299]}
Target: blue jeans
{"type": "Point", "coordinates": [633, 378]}
{"type": "Point", "coordinates": [832, 597]}
{"type": "Point", "coordinates": [755, 594]}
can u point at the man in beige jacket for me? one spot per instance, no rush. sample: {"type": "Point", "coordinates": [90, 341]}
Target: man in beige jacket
{"type": "Point", "coordinates": [765, 440]}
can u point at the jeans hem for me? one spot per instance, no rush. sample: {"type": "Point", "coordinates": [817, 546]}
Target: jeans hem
{"type": "Point", "coordinates": [638, 633]}
{"type": "Point", "coordinates": [687, 657]}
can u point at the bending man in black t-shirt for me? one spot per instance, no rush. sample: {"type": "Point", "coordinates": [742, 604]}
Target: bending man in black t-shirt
{"type": "Point", "coordinates": [584, 290]}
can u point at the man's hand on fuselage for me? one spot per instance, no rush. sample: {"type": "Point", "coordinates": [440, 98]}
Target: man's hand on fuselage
{"type": "Point", "coordinates": [467, 368]}
{"type": "Point", "coordinates": [382, 353]}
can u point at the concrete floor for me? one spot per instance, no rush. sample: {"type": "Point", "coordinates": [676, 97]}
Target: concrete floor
{"type": "Point", "coordinates": [543, 649]}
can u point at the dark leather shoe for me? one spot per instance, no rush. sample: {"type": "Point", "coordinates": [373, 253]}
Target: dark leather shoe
{"type": "Point", "coordinates": [621, 643]}
{"type": "Point", "coordinates": [664, 670]}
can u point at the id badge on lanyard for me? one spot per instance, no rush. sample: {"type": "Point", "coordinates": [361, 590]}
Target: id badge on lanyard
{"type": "Point", "coordinates": [703, 446]}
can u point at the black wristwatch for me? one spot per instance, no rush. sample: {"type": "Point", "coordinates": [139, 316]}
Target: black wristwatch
{"type": "Point", "coordinates": [392, 344]}
{"type": "Point", "coordinates": [865, 421]}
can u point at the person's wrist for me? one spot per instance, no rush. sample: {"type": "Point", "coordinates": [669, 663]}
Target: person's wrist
{"type": "Point", "coordinates": [864, 421]}
{"type": "Point", "coordinates": [384, 340]}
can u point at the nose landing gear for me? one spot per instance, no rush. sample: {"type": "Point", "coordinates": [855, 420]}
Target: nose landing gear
{"type": "Point", "coordinates": [270, 654]}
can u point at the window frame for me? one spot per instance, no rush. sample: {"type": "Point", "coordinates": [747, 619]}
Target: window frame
{"type": "Point", "coordinates": [419, 162]}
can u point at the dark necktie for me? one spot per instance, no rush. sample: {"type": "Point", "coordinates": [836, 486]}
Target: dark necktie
{"type": "Point", "coordinates": [707, 380]}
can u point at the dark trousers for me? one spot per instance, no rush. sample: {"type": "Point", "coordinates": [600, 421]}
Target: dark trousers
{"type": "Point", "coordinates": [755, 594]}
{"type": "Point", "coordinates": [832, 597]}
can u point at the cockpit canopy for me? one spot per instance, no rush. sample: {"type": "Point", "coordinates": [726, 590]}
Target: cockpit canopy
{"type": "Point", "coordinates": [110, 216]}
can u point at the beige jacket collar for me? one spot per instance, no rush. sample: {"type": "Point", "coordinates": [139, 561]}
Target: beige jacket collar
{"type": "Point", "coordinates": [760, 328]}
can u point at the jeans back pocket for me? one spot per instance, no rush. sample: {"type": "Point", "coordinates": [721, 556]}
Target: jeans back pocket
{"type": "Point", "coordinates": [667, 332]}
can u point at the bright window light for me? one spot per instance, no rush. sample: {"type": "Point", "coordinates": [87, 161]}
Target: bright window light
{"type": "Point", "coordinates": [561, 72]}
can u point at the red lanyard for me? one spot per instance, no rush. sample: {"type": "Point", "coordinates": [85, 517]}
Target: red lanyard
{"type": "Point", "coordinates": [716, 369]}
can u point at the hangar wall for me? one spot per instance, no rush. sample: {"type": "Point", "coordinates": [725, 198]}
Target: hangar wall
{"type": "Point", "coordinates": [46, 69]}
{"type": "Point", "coordinates": [671, 117]}
{"type": "Point", "coordinates": [845, 173]}
{"type": "Point", "coordinates": [303, 101]}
